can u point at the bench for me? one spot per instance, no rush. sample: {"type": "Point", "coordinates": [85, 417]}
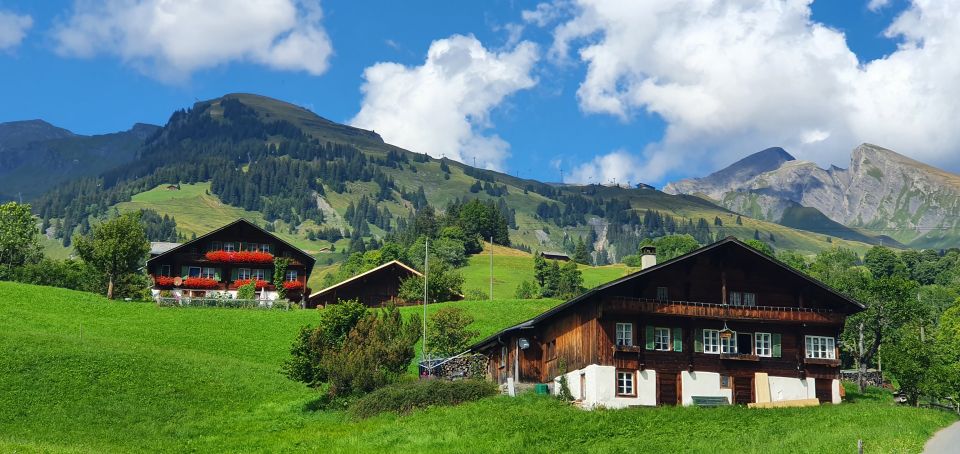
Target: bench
{"type": "Point", "coordinates": [710, 401]}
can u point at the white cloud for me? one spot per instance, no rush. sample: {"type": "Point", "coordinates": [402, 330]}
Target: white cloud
{"type": "Point", "coordinates": [13, 28]}
{"type": "Point", "coordinates": [172, 39]}
{"type": "Point", "coordinates": [442, 107]}
{"type": "Point", "coordinates": [616, 167]}
{"type": "Point", "coordinates": [734, 76]}
{"type": "Point", "coordinates": [877, 5]}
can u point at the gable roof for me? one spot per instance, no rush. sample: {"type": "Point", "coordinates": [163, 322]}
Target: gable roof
{"type": "Point", "coordinates": [366, 273]}
{"type": "Point", "coordinates": [310, 259]}
{"type": "Point", "coordinates": [857, 307]}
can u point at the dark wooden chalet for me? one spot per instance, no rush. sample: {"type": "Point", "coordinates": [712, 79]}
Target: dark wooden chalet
{"type": "Point", "coordinates": [374, 288]}
{"type": "Point", "coordinates": [723, 322]}
{"type": "Point", "coordinates": [218, 262]}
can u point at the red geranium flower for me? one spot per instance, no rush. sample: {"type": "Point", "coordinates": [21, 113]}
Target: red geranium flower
{"type": "Point", "coordinates": [163, 281]}
{"type": "Point", "coordinates": [239, 257]}
{"type": "Point", "coordinates": [260, 285]}
{"type": "Point", "coordinates": [200, 282]}
{"type": "Point", "coordinates": [293, 285]}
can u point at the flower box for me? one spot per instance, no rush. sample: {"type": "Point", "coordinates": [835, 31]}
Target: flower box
{"type": "Point", "coordinates": [293, 285]}
{"type": "Point", "coordinates": [163, 281]}
{"type": "Point", "coordinates": [260, 285]}
{"type": "Point", "coordinates": [239, 257]}
{"type": "Point", "coordinates": [200, 282]}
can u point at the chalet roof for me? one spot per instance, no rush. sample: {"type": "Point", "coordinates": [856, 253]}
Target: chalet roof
{"type": "Point", "coordinates": [159, 247]}
{"type": "Point", "coordinates": [309, 259]}
{"type": "Point", "coordinates": [855, 305]}
{"type": "Point", "coordinates": [366, 273]}
{"type": "Point", "coordinates": [554, 254]}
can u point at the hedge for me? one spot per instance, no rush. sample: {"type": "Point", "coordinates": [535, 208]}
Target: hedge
{"type": "Point", "coordinates": [402, 398]}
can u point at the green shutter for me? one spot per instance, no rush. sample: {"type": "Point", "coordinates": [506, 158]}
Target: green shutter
{"type": "Point", "coordinates": [184, 271]}
{"type": "Point", "coordinates": [678, 339]}
{"type": "Point", "coordinates": [649, 337]}
{"type": "Point", "coordinates": [698, 340]}
{"type": "Point", "coordinates": [775, 338]}
{"type": "Point", "coordinates": [268, 275]}
{"type": "Point", "coordinates": [234, 274]}
{"type": "Point", "coordinates": [216, 274]}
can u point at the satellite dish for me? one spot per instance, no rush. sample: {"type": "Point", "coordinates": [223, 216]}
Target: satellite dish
{"type": "Point", "coordinates": [178, 281]}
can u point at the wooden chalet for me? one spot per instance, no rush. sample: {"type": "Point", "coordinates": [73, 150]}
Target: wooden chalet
{"type": "Point", "coordinates": [373, 288]}
{"type": "Point", "coordinates": [219, 262]}
{"type": "Point", "coordinates": [560, 256]}
{"type": "Point", "coordinates": [723, 323]}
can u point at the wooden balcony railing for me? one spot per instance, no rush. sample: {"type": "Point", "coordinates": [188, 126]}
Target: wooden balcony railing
{"type": "Point", "coordinates": [720, 311]}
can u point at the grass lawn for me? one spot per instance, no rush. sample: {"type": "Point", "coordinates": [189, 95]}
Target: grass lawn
{"type": "Point", "coordinates": [81, 374]}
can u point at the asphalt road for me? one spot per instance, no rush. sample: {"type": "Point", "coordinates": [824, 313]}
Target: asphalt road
{"type": "Point", "coordinates": [946, 441]}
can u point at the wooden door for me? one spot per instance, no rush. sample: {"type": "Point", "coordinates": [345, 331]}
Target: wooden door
{"type": "Point", "coordinates": [743, 390]}
{"type": "Point", "coordinates": [824, 389]}
{"type": "Point", "coordinates": [667, 389]}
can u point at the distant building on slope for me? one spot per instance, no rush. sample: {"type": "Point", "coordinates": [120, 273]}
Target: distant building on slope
{"type": "Point", "coordinates": [723, 323]}
{"type": "Point", "coordinates": [218, 263]}
{"type": "Point", "coordinates": [373, 288]}
{"type": "Point", "coordinates": [560, 256]}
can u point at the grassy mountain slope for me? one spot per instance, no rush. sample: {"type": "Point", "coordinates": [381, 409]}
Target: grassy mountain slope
{"type": "Point", "coordinates": [83, 374]}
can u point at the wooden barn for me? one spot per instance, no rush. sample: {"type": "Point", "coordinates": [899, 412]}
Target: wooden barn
{"type": "Point", "coordinates": [722, 324]}
{"type": "Point", "coordinates": [373, 288]}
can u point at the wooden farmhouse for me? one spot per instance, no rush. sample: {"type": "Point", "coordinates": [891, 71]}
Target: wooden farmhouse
{"type": "Point", "coordinates": [373, 288]}
{"type": "Point", "coordinates": [218, 263]}
{"type": "Point", "coordinates": [723, 323]}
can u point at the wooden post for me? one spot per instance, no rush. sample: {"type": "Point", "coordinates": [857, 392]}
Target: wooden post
{"type": "Point", "coordinates": [723, 287]}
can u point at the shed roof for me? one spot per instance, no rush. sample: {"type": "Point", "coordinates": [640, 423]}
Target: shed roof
{"type": "Point", "coordinates": [367, 273]}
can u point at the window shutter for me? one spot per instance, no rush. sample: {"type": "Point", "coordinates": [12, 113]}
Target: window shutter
{"type": "Point", "coordinates": [216, 274]}
{"type": "Point", "coordinates": [234, 274]}
{"type": "Point", "coordinates": [776, 344]}
{"type": "Point", "coordinates": [184, 271]}
{"type": "Point", "coordinates": [649, 337]}
{"type": "Point", "coordinates": [678, 339]}
{"type": "Point", "coordinates": [698, 340]}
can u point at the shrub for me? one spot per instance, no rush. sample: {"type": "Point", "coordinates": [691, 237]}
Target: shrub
{"type": "Point", "coordinates": [246, 291]}
{"type": "Point", "coordinates": [527, 290]}
{"type": "Point", "coordinates": [475, 294]}
{"type": "Point", "coordinates": [402, 398]}
{"type": "Point", "coordinates": [307, 352]}
{"type": "Point", "coordinates": [448, 333]}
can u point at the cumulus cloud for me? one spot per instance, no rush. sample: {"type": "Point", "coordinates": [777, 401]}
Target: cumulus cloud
{"type": "Point", "coordinates": [877, 5]}
{"type": "Point", "coordinates": [734, 76]}
{"type": "Point", "coordinates": [13, 28]}
{"type": "Point", "coordinates": [442, 107]}
{"type": "Point", "coordinates": [172, 39]}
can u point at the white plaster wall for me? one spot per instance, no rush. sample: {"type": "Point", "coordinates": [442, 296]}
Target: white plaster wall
{"type": "Point", "coordinates": [790, 388]}
{"type": "Point", "coordinates": [600, 386]}
{"type": "Point", "coordinates": [836, 391]}
{"type": "Point", "coordinates": [702, 384]}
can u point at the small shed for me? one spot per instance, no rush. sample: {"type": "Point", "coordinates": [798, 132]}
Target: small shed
{"type": "Point", "coordinates": [373, 288]}
{"type": "Point", "coordinates": [556, 256]}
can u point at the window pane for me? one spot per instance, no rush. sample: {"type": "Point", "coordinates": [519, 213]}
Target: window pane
{"type": "Point", "coordinates": [662, 339]}
{"type": "Point", "coordinates": [663, 294]}
{"type": "Point", "coordinates": [749, 299]}
{"type": "Point", "coordinates": [194, 271]}
{"type": "Point", "coordinates": [625, 334]}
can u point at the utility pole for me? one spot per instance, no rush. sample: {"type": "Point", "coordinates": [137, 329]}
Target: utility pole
{"type": "Point", "coordinates": [426, 269]}
{"type": "Point", "coordinates": [491, 267]}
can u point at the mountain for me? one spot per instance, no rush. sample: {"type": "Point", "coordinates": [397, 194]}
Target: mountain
{"type": "Point", "coordinates": [36, 156]}
{"type": "Point", "coordinates": [324, 186]}
{"type": "Point", "coordinates": [729, 178]}
{"type": "Point", "coordinates": [882, 193]}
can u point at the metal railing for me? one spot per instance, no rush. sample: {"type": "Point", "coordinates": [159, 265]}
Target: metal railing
{"type": "Point", "coordinates": [187, 301]}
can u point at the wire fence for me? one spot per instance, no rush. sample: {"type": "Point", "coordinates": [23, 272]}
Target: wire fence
{"type": "Point", "coordinates": [226, 303]}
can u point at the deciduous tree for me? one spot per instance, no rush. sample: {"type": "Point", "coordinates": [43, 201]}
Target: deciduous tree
{"type": "Point", "coordinates": [115, 248]}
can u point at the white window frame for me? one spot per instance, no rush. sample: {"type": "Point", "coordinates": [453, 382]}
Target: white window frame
{"type": "Point", "coordinates": [624, 336]}
{"type": "Point", "coordinates": [190, 271]}
{"type": "Point", "coordinates": [662, 339]}
{"type": "Point", "coordinates": [711, 341]}
{"type": "Point", "coordinates": [166, 270]}
{"type": "Point", "coordinates": [244, 273]}
{"type": "Point", "coordinates": [259, 274]}
{"type": "Point", "coordinates": [229, 246]}
{"type": "Point", "coordinates": [265, 247]}
{"type": "Point", "coordinates": [736, 298]}
{"type": "Point", "coordinates": [749, 299]}
{"type": "Point", "coordinates": [663, 293]}
{"type": "Point", "coordinates": [820, 347]}
{"type": "Point", "coordinates": [626, 383]}
{"type": "Point", "coordinates": [292, 276]}
{"type": "Point", "coordinates": [729, 346]}
{"type": "Point", "coordinates": [763, 344]}
{"type": "Point", "coordinates": [216, 246]}
{"type": "Point", "coordinates": [208, 273]}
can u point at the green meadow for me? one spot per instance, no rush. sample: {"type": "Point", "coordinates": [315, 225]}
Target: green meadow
{"type": "Point", "coordinates": [83, 374]}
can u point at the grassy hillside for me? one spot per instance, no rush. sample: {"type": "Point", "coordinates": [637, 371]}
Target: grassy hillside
{"type": "Point", "coordinates": [82, 374]}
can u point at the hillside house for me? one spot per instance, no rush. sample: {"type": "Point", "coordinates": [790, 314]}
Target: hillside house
{"type": "Point", "coordinates": [219, 262]}
{"type": "Point", "coordinates": [373, 288]}
{"type": "Point", "coordinates": [722, 322]}
{"type": "Point", "coordinates": [559, 256]}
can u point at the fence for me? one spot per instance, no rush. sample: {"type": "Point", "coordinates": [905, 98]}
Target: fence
{"type": "Point", "coordinates": [225, 302]}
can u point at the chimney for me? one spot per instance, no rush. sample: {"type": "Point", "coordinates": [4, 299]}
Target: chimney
{"type": "Point", "coordinates": [648, 257]}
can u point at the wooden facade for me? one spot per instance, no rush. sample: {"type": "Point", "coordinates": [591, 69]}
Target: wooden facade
{"type": "Point", "coordinates": [191, 260]}
{"type": "Point", "coordinates": [373, 288]}
{"type": "Point", "coordinates": [725, 288]}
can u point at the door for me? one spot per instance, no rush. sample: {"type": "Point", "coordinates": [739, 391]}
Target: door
{"type": "Point", "coordinates": [743, 390]}
{"type": "Point", "coordinates": [583, 386]}
{"type": "Point", "coordinates": [824, 389]}
{"type": "Point", "coordinates": [667, 389]}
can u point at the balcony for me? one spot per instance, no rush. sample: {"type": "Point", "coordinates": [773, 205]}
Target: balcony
{"type": "Point", "coordinates": [723, 312]}
{"type": "Point", "coordinates": [739, 357]}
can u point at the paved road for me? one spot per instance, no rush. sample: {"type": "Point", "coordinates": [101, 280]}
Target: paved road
{"type": "Point", "coordinates": [946, 441]}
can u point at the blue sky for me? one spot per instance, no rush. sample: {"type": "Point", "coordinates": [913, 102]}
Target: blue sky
{"type": "Point", "coordinates": [602, 90]}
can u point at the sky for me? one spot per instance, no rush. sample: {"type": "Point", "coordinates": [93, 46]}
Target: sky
{"type": "Point", "coordinates": [587, 91]}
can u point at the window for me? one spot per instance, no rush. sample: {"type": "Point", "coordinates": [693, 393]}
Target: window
{"type": "Point", "coordinates": [265, 248]}
{"type": "Point", "coordinates": [165, 270]}
{"type": "Point", "coordinates": [821, 347]}
{"type": "Point", "coordinates": [763, 344]}
{"type": "Point", "coordinates": [209, 273]}
{"type": "Point", "coordinates": [503, 356]}
{"type": "Point", "coordinates": [244, 273]}
{"type": "Point", "coordinates": [749, 299]}
{"type": "Point", "coordinates": [260, 275]}
{"type": "Point", "coordinates": [661, 339]}
{"type": "Point", "coordinates": [711, 341]}
{"type": "Point", "coordinates": [626, 381]}
{"type": "Point", "coordinates": [291, 275]}
{"type": "Point", "coordinates": [551, 349]}
{"type": "Point", "coordinates": [726, 382]}
{"type": "Point", "coordinates": [251, 247]}
{"type": "Point", "coordinates": [194, 271]}
{"type": "Point", "coordinates": [729, 346]}
{"type": "Point", "coordinates": [216, 246]}
{"type": "Point", "coordinates": [736, 299]}
{"type": "Point", "coordinates": [663, 294]}
{"type": "Point", "coordinates": [229, 246]}
{"type": "Point", "coordinates": [624, 334]}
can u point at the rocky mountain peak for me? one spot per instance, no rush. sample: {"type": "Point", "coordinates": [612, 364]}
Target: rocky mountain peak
{"type": "Point", "coordinates": [719, 182]}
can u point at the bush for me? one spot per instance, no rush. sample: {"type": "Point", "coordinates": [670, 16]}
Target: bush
{"type": "Point", "coordinates": [403, 398]}
{"type": "Point", "coordinates": [448, 333]}
{"type": "Point", "coordinates": [307, 352]}
{"type": "Point", "coordinates": [527, 290]}
{"type": "Point", "coordinates": [475, 294]}
{"type": "Point", "coordinates": [247, 291]}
